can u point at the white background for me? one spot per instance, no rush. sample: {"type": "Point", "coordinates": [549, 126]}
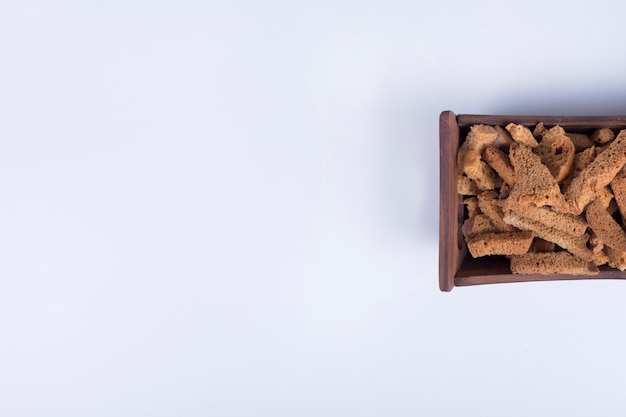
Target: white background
{"type": "Point", "coordinates": [231, 209]}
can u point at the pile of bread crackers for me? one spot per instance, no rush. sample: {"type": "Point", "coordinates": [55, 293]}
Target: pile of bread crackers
{"type": "Point", "coordinates": [551, 201]}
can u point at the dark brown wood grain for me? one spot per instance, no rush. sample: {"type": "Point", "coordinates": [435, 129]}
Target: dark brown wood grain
{"type": "Point", "coordinates": [456, 267]}
{"type": "Point", "coordinates": [451, 249]}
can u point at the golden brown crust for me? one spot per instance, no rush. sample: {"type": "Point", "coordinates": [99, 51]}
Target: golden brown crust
{"type": "Point", "coordinates": [607, 229]}
{"type": "Point", "coordinates": [534, 182]}
{"type": "Point", "coordinates": [522, 135]}
{"type": "Point", "coordinates": [581, 160]}
{"type": "Point", "coordinates": [616, 259]}
{"type": "Point", "coordinates": [551, 263]}
{"type": "Point", "coordinates": [477, 169]}
{"type": "Point", "coordinates": [552, 133]}
{"type": "Point", "coordinates": [538, 130]}
{"type": "Point", "coordinates": [599, 173]}
{"type": "Point", "coordinates": [600, 258]}
{"type": "Point", "coordinates": [489, 204]}
{"type": "Point", "coordinates": [605, 195]}
{"type": "Point", "coordinates": [467, 186]}
{"type": "Point", "coordinates": [469, 161]}
{"type": "Point", "coordinates": [478, 224]}
{"type": "Point", "coordinates": [500, 163]}
{"type": "Point", "coordinates": [509, 243]}
{"type": "Point", "coordinates": [575, 244]}
{"type": "Point", "coordinates": [557, 153]}
{"type": "Point", "coordinates": [564, 222]}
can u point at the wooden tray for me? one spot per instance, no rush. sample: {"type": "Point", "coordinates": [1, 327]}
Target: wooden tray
{"type": "Point", "coordinates": [456, 267]}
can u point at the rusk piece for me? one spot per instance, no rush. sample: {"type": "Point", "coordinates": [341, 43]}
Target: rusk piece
{"type": "Point", "coordinates": [605, 195]}
{"type": "Point", "coordinates": [478, 170]}
{"type": "Point", "coordinates": [575, 244]}
{"type": "Point", "coordinates": [551, 263]}
{"type": "Point", "coordinates": [468, 158]}
{"type": "Point", "coordinates": [538, 130]}
{"type": "Point", "coordinates": [557, 153]}
{"type": "Point", "coordinates": [580, 141]}
{"type": "Point", "coordinates": [467, 186]}
{"type": "Point", "coordinates": [605, 227]}
{"type": "Point", "coordinates": [599, 173]}
{"type": "Point", "coordinates": [602, 136]}
{"type": "Point", "coordinates": [478, 224]}
{"type": "Point", "coordinates": [522, 135]}
{"type": "Point", "coordinates": [553, 133]}
{"type": "Point", "coordinates": [581, 160]}
{"type": "Point", "coordinates": [534, 184]}
{"type": "Point", "coordinates": [500, 162]}
{"type": "Point", "coordinates": [616, 259]}
{"type": "Point", "coordinates": [489, 204]}
{"type": "Point", "coordinates": [564, 222]}
{"type": "Point", "coordinates": [509, 243]}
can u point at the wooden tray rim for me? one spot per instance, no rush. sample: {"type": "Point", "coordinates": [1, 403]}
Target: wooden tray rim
{"type": "Point", "coordinates": [451, 273]}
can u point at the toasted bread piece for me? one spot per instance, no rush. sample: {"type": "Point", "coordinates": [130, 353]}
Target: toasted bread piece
{"type": "Point", "coordinates": [599, 173]}
{"type": "Point", "coordinates": [472, 206]}
{"type": "Point", "coordinates": [602, 136]}
{"type": "Point", "coordinates": [467, 186]}
{"type": "Point", "coordinates": [552, 133]}
{"type": "Point", "coordinates": [500, 162]}
{"type": "Point", "coordinates": [509, 243]}
{"type": "Point", "coordinates": [538, 130]}
{"type": "Point", "coordinates": [468, 158]}
{"type": "Point", "coordinates": [522, 135]}
{"type": "Point", "coordinates": [478, 170]}
{"type": "Point", "coordinates": [481, 136]}
{"type": "Point", "coordinates": [534, 184]}
{"type": "Point", "coordinates": [551, 263]}
{"type": "Point", "coordinates": [557, 153]}
{"type": "Point", "coordinates": [489, 204]}
{"type": "Point", "coordinates": [580, 141]}
{"type": "Point", "coordinates": [478, 224]}
{"type": "Point", "coordinates": [575, 244]}
{"type": "Point", "coordinates": [603, 224]}
{"type": "Point", "coordinates": [581, 160]}
{"type": "Point", "coordinates": [616, 259]}
{"type": "Point", "coordinates": [605, 195]}
{"type": "Point", "coordinates": [565, 222]}
{"type": "Point", "coordinates": [600, 258]}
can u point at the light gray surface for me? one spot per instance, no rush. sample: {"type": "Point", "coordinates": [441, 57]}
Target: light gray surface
{"type": "Point", "coordinates": [231, 210]}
